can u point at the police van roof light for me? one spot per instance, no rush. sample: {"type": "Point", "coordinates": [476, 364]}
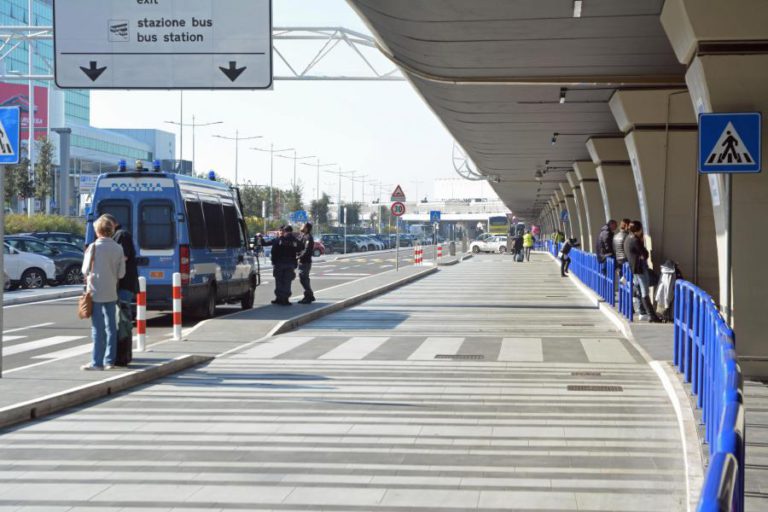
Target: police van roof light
{"type": "Point", "coordinates": [212, 175]}
{"type": "Point", "coordinates": [156, 165]}
{"type": "Point", "coordinates": [121, 165]}
{"type": "Point", "coordinates": [140, 166]}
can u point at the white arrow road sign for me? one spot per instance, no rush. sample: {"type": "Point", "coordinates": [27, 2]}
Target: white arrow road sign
{"type": "Point", "coordinates": [163, 44]}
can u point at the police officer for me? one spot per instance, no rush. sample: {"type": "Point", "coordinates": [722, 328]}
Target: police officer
{"type": "Point", "coordinates": [285, 250]}
{"type": "Point", "coordinates": [305, 263]}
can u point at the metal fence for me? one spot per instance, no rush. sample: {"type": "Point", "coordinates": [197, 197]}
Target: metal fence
{"type": "Point", "coordinates": [704, 352]}
{"type": "Point", "coordinates": [626, 306]}
{"type": "Point", "coordinates": [599, 277]}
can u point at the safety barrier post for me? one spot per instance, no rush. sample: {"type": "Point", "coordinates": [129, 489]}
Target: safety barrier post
{"type": "Point", "coordinates": [141, 316]}
{"type": "Point", "coordinates": [176, 306]}
{"type": "Point", "coordinates": [439, 253]}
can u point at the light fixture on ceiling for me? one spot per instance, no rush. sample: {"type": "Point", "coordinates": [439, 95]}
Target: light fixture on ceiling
{"type": "Point", "coordinates": [554, 138]}
{"type": "Point", "coordinates": [562, 95]}
{"type": "Point", "coordinates": [577, 8]}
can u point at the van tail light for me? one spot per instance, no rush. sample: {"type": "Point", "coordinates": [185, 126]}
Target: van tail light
{"type": "Point", "coordinates": [184, 264]}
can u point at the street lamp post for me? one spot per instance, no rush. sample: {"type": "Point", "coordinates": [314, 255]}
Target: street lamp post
{"type": "Point", "coordinates": [318, 165]}
{"type": "Point", "coordinates": [237, 138]}
{"type": "Point", "coordinates": [194, 124]}
{"type": "Point", "coordinates": [295, 158]}
{"type": "Point", "coordinates": [272, 152]}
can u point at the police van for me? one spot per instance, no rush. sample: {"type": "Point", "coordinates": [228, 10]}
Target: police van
{"type": "Point", "coordinates": [182, 224]}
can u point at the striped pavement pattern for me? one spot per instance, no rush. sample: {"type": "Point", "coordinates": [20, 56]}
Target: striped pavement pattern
{"type": "Point", "coordinates": [354, 413]}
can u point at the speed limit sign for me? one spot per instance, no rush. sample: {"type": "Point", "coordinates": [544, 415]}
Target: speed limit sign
{"type": "Point", "coordinates": [397, 209]}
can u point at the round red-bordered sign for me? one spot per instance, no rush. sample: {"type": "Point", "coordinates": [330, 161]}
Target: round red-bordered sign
{"type": "Point", "coordinates": [397, 209]}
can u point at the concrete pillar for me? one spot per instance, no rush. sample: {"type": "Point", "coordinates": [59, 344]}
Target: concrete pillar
{"type": "Point", "coordinates": [724, 46]}
{"type": "Point", "coordinates": [617, 184]}
{"type": "Point", "coordinates": [580, 224]}
{"type": "Point", "coordinates": [570, 207]}
{"type": "Point", "coordinates": [586, 172]}
{"type": "Point", "coordinates": [560, 208]}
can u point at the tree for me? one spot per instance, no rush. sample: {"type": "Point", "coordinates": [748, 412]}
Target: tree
{"type": "Point", "coordinates": [43, 186]}
{"type": "Point", "coordinates": [17, 182]}
{"type": "Point", "coordinates": [353, 213]}
{"type": "Point", "coordinates": [319, 209]}
{"type": "Point", "coordinates": [293, 197]}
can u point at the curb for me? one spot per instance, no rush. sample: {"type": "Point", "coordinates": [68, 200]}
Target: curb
{"type": "Point", "coordinates": [297, 321]}
{"type": "Point", "coordinates": [15, 301]}
{"type": "Point", "coordinates": [458, 260]}
{"type": "Point", "coordinates": [39, 407]}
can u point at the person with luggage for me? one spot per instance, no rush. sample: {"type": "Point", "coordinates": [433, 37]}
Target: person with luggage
{"type": "Point", "coordinates": [518, 247]}
{"type": "Point", "coordinates": [637, 254]}
{"type": "Point", "coordinates": [103, 267]}
{"type": "Point", "coordinates": [285, 250]}
{"type": "Point", "coordinates": [528, 242]}
{"type": "Point", "coordinates": [127, 288]}
{"type": "Point", "coordinates": [305, 263]}
{"type": "Point", "coordinates": [565, 260]}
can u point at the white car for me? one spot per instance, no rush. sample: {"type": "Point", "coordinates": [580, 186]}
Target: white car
{"type": "Point", "coordinates": [26, 269]}
{"type": "Point", "coordinates": [496, 243]}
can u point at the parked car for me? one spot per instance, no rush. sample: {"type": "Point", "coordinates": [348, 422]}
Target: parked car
{"type": "Point", "coordinates": [385, 241]}
{"type": "Point", "coordinates": [59, 236]}
{"type": "Point", "coordinates": [64, 246]}
{"type": "Point", "coordinates": [405, 241]}
{"type": "Point", "coordinates": [371, 243]}
{"type": "Point", "coordinates": [68, 262]}
{"type": "Point", "coordinates": [25, 269]}
{"type": "Point", "coordinates": [496, 243]}
{"type": "Point", "coordinates": [319, 248]}
{"type": "Point", "coordinates": [332, 242]}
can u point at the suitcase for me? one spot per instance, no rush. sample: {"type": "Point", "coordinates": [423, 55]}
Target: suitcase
{"type": "Point", "coordinates": [124, 334]}
{"type": "Point", "coordinates": [519, 256]}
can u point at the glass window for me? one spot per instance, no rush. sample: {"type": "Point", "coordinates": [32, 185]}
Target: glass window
{"type": "Point", "coordinates": [119, 209]}
{"type": "Point", "coordinates": [232, 227]}
{"type": "Point", "coordinates": [38, 247]}
{"type": "Point", "coordinates": [18, 244]}
{"type": "Point", "coordinates": [214, 226]}
{"type": "Point", "coordinates": [156, 229]}
{"type": "Point", "coordinates": [196, 223]}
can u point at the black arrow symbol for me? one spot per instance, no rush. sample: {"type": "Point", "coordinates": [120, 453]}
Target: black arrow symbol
{"type": "Point", "coordinates": [93, 72]}
{"type": "Point", "coordinates": [232, 71]}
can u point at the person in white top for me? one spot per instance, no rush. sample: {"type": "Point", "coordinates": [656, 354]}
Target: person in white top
{"type": "Point", "coordinates": [103, 267]}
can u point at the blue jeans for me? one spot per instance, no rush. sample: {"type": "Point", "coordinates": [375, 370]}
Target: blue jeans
{"type": "Point", "coordinates": [125, 296]}
{"type": "Point", "coordinates": [104, 333]}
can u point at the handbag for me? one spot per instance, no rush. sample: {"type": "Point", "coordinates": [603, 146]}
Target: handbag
{"type": "Point", "coordinates": [85, 302]}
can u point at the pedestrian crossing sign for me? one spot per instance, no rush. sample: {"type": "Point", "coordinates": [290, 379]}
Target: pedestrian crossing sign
{"type": "Point", "coordinates": [9, 135]}
{"type": "Point", "coordinates": [730, 143]}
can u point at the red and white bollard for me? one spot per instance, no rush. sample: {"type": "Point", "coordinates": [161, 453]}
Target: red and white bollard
{"type": "Point", "coordinates": [141, 316]}
{"type": "Point", "coordinates": [439, 252]}
{"type": "Point", "coordinates": [418, 255]}
{"type": "Point", "coordinates": [176, 306]}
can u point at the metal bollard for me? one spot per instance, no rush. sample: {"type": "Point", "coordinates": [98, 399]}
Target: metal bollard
{"type": "Point", "coordinates": [439, 252]}
{"type": "Point", "coordinates": [141, 316]}
{"type": "Point", "coordinates": [176, 306]}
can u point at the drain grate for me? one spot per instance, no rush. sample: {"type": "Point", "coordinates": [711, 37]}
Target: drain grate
{"type": "Point", "coordinates": [586, 374]}
{"type": "Point", "coordinates": [577, 387]}
{"type": "Point", "coordinates": [460, 357]}
{"type": "Point", "coordinates": [577, 325]}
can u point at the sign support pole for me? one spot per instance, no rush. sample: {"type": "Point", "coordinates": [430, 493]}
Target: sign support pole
{"type": "Point", "coordinates": [729, 248]}
{"type": "Point", "coordinates": [2, 262]}
{"type": "Point", "coordinates": [397, 245]}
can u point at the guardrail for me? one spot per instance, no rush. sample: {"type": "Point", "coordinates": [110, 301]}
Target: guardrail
{"type": "Point", "coordinates": [704, 352]}
{"type": "Point", "coordinates": [599, 277]}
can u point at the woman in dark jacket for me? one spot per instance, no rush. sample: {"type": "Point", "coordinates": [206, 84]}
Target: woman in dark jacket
{"type": "Point", "coordinates": [565, 260]}
{"type": "Point", "coordinates": [637, 255]}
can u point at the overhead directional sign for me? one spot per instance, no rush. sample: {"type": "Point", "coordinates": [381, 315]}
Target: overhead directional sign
{"type": "Point", "coordinates": [163, 44]}
{"type": "Point", "coordinates": [434, 216]}
{"type": "Point", "coordinates": [398, 194]}
{"type": "Point", "coordinates": [299, 216]}
{"type": "Point", "coordinates": [730, 143]}
{"type": "Point", "coordinates": [10, 121]}
{"type": "Point", "coordinates": [397, 209]}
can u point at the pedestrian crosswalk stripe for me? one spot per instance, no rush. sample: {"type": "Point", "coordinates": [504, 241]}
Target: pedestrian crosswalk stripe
{"type": "Point", "coordinates": [277, 347]}
{"type": "Point", "coordinates": [521, 349]}
{"type": "Point", "coordinates": [6, 339]}
{"type": "Point", "coordinates": [435, 345]}
{"type": "Point", "coordinates": [67, 352]}
{"type": "Point", "coordinates": [38, 344]}
{"type": "Point", "coordinates": [355, 348]}
{"type": "Point", "coordinates": [609, 350]}
{"type": "Point", "coordinates": [730, 149]}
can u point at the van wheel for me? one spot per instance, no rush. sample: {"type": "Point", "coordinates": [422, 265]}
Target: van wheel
{"type": "Point", "coordinates": [247, 301]}
{"type": "Point", "coordinates": [208, 307]}
{"type": "Point", "coordinates": [33, 278]}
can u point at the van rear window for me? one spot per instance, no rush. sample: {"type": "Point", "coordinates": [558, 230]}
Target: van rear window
{"type": "Point", "coordinates": [232, 227]}
{"type": "Point", "coordinates": [214, 224]}
{"type": "Point", "coordinates": [119, 209]}
{"type": "Point", "coordinates": [156, 230]}
{"type": "Point", "coordinates": [196, 223]}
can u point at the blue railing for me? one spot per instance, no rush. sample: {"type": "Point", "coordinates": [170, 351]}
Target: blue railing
{"type": "Point", "coordinates": [704, 352]}
{"type": "Point", "coordinates": [599, 277]}
{"type": "Point", "coordinates": [626, 307]}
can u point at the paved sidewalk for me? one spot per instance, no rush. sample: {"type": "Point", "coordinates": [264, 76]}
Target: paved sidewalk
{"type": "Point", "coordinates": [417, 400]}
{"type": "Point", "coordinates": [209, 338]}
{"type": "Point", "coordinates": [21, 296]}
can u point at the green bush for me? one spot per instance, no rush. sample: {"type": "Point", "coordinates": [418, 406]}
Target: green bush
{"type": "Point", "coordinates": [20, 223]}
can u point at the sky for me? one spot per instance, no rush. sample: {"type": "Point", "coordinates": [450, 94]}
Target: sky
{"type": "Point", "coordinates": [383, 130]}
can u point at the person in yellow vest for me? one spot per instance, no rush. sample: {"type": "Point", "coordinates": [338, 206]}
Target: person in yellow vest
{"type": "Point", "coordinates": [528, 241]}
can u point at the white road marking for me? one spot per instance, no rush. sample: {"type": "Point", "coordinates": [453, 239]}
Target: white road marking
{"type": "Point", "coordinates": [35, 345]}
{"type": "Point", "coordinates": [606, 351]}
{"type": "Point", "coordinates": [355, 348]}
{"type": "Point", "coordinates": [12, 338]}
{"type": "Point", "coordinates": [436, 345]}
{"type": "Point", "coordinates": [27, 327]}
{"type": "Point", "coordinates": [272, 349]}
{"type": "Point", "coordinates": [67, 352]}
{"type": "Point", "coordinates": [521, 349]}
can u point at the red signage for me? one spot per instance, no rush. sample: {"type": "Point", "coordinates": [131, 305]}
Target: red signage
{"type": "Point", "coordinates": [397, 209]}
{"type": "Point", "coordinates": [17, 95]}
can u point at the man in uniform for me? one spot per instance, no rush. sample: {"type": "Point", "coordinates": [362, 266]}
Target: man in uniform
{"type": "Point", "coordinates": [285, 250]}
{"type": "Point", "coordinates": [305, 262]}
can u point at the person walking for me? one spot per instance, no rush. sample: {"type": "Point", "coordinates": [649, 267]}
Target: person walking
{"type": "Point", "coordinates": [305, 262]}
{"type": "Point", "coordinates": [528, 242]}
{"type": "Point", "coordinates": [565, 260]}
{"type": "Point", "coordinates": [285, 250]}
{"type": "Point", "coordinates": [127, 288]}
{"type": "Point", "coordinates": [103, 267]}
{"type": "Point", "coordinates": [637, 254]}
